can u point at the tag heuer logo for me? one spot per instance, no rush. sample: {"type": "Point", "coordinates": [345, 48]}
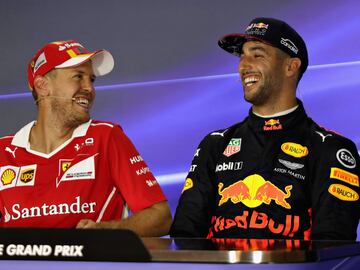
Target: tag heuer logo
{"type": "Point", "coordinates": [233, 147]}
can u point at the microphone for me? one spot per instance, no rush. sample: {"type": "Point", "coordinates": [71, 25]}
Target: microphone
{"type": "Point", "coordinates": [40, 98]}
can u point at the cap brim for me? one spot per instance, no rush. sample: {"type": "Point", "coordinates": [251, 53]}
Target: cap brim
{"type": "Point", "coordinates": [233, 43]}
{"type": "Point", "coordinates": [102, 62]}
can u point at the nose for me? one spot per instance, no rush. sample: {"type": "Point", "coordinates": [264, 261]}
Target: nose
{"type": "Point", "coordinates": [245, 63]}
{"type": "Point", "coordinates": [88, 85]}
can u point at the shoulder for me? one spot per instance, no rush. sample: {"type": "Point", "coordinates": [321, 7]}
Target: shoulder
{"type": "Point", "coordinates": [220, 138]}
{"type": "Point", "coordinates": [104, 130]}
{"type": "Point", "coordinates": [6, 139]}
{"type": "Point", "coordinates": [334, 147]}
{"type": "Point", "coordinates": [328, 138]}
{"type": "Point", "coordinates": [103, 125]}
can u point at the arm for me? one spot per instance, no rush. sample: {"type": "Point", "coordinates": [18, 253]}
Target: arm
{"type": "Point", "coordinates": [137, 187]}
{"type": "Point", "coordinates": [196, 204]}
{"type": "Point", "coordinates": [335, 191]}
{"type": "Point", "coordinates": [152, 221]}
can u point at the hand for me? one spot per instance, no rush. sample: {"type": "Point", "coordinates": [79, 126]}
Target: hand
{"type": "Point", "coordinates": [87, 224]}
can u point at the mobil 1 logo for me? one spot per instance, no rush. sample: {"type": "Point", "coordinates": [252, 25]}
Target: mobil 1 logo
{"type": "Point", "coordinates": [229, 166]}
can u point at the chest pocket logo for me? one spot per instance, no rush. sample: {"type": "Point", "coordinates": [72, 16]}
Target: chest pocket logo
{"type": "Point", "coordinates": [294, 149]}
{"type": "Point", "coordinates": [84, 169]}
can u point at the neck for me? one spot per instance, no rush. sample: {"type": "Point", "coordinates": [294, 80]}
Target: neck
{"type": "Point", "coordinates": [275, 106]}
{"type": "Point", "coordinates": [278, 114]}
{"type": "Point", "coordinates": [46, 135]}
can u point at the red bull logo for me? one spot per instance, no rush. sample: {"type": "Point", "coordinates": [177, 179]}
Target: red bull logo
{"type": "Point", "coordinates": [272, 124]}
{"type": "Point", "coordinates": [256, 220]}
{"type": "Point", "coordinates": [235, 192]}
{"type": "Point", "coordinates": [253, 191]}
{"type": "Point", "coordinates": [259, 25]}
{"type": "Point", "coordinates": [269, 191]}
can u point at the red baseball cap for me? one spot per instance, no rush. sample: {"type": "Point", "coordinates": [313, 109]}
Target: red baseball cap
{"type": "Point", "coordinates": [69, 53]}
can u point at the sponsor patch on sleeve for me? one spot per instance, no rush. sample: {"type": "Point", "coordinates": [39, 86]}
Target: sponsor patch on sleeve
{"type": "Point", "coordinates": [188, 184]}
{"type": "Point", "coordinates": [344, 176]}
{"type": "Point", "coordinates": [343, 193]}
{"type": "Point", "coordinates": [345, 158]}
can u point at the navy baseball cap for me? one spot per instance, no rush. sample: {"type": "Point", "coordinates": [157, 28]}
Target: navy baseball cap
{"type": "Point", "coordinates": [272, 32]}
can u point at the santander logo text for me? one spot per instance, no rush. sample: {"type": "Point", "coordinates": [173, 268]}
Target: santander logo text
{"type": "Point", "coordinates": [77, 207]}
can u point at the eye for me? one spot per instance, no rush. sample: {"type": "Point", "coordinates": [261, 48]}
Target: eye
{"type": "Point", "coordinates": [78, 76]}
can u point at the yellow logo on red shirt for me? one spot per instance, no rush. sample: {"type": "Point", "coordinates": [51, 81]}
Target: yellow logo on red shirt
{"type": "Point", "coordinates": [65, 165]}
{"type": "Point", "coordinates": [27, 175]}
{"type": "Point", "coordinates": [12, 176]}
{"type": "Point", "coordinates": [8, 176]}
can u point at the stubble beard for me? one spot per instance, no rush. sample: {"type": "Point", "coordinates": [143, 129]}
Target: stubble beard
{"type": "Point", "coordinates": [263, 93]}
{"type": "Point", "coordinates": [66, 115]}
{"type": "Point", "coordinates": [257, 96]}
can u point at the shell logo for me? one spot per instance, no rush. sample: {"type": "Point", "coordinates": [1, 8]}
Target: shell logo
{"type": "Point", "coordinates": [8, 176]}
{"type": "Point", "coordinates": [294, 149]}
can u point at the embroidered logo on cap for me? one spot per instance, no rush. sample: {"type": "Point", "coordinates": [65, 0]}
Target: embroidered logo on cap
{"type": "Point", "coordinates": [289, 44]}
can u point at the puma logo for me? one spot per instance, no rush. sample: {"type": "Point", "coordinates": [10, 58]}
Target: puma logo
{"type": "Point", "coordinates": [323, 136]}
{"type": "Point", "coordinates": [7, 149]}
{"type": "Point", "coordinates": [219, 133]}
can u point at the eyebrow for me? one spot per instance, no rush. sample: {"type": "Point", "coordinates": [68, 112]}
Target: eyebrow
{"type": "Point", "coordinates": [93, 76]}
{"type": "Point", "coordinates": [256, 48]}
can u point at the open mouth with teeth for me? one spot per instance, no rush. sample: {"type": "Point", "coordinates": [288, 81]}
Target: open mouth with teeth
{"type": "Point", "coordinates": [83, 102]}
{"type": "Point", "coordinates": [250, 80]}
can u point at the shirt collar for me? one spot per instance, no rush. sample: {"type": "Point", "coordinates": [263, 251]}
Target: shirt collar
{"type": "Point", "coordinates": [280, 121]}
{"type": "Point", "coordinates": [21, 138]}
{"type": "Point", "coordinates": [278, 114]}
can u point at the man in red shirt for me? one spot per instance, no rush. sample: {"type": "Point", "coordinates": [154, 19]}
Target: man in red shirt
{"type": "Point", "coordinates": [65, 170]}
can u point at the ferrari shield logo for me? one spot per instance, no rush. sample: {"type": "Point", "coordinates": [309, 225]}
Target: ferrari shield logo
{"type": "Point", "coordinates": [65, 165]}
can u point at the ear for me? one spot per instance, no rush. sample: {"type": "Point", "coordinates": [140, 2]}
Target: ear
{"type": "Point", "coordinates": [41, 86]}
{"type": "Point", "coordinates": [293, 66]}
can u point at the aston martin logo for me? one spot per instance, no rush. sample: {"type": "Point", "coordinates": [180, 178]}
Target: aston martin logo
{"type": "Point", "coordinates": [291, 165]}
